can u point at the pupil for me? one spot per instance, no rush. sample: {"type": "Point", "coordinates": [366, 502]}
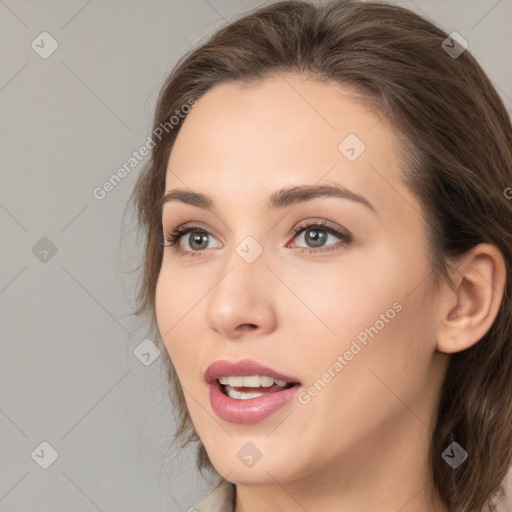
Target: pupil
{"type": "Point", "coordinates": [316, 237]}
{"type": "Point", "coordinates": [198, 236]}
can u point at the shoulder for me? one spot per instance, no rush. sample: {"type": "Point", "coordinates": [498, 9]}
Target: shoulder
{"type": "Point", "coordinates": [221, 499]}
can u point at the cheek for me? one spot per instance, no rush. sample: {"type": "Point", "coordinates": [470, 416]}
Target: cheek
{"type": "Point", "coordinates": [323, 308]}
{"type": "Point", "coordinates": [175, 313]}
{"type": "Point", "coordinates": [345, 297]}
{"type": "Point", "coordinates": [355, 389]}
{"type": "Point", "coordinates": [371, 310]}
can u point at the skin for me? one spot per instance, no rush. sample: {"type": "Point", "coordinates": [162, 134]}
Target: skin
{"type": "Point", "coordinates": [361, 444]}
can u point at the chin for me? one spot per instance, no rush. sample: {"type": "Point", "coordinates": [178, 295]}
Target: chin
{"type": "Point", "coordinates": [262, 472]}
{"type": "Point", "coordinates": [250, 476]}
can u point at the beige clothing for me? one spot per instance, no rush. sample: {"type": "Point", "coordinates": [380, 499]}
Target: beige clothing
{"type": "Point", "coordinates": [221, 499]}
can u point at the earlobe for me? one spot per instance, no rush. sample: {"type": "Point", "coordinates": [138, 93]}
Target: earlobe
{"type": "Point", "coordinates": [470, 310]}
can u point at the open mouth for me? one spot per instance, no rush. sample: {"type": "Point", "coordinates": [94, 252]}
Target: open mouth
{"type": "Point", "coordinates": [248, 392]}
{"type": "Point", "coordinates": [245, 388]}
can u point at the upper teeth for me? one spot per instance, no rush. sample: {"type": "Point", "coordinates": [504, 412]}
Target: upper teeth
{"type": "Point", "coordinates": [252, 381]}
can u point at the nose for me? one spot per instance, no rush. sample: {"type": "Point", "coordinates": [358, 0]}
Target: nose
{"type": "Point", "coordinates": [240, 303]}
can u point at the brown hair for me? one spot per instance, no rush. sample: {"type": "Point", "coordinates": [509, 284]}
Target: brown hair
{"type": "Point", "coordinates": [456, 145]}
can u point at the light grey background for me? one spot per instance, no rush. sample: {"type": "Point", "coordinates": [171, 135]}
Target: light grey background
{"type": "Point", "coordinates": [68, 375]}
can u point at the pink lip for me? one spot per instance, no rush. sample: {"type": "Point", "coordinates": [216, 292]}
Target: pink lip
{"type": "Point", "coordinates": [253, 409]}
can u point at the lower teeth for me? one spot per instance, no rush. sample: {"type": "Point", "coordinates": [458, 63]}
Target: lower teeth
{"type": "Point", "coordinates": [247, 395]}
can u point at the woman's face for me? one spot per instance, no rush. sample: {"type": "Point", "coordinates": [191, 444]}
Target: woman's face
{"type": "Point", "coordinates": [348, 316]}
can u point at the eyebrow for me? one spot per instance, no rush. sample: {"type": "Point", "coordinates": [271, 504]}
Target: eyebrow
{"type": "Point", "coordinates": [278, 200]}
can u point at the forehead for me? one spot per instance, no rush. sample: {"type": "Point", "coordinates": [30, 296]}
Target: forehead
{"type": "Point", "coordinates": [282, 132]}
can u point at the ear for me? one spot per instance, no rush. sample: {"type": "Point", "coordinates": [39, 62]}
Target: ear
{"type": "Point", "coordinates": [468, 311]}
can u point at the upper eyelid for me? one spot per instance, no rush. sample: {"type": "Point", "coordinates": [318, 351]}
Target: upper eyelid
{"type": "Point", "coordinates": [318, 221]}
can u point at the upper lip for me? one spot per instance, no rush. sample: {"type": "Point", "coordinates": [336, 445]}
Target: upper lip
{"type": "Point", "coordinates": [245, 367]}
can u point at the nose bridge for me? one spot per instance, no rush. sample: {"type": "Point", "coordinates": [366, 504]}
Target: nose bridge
{"type": "Point", "coordinates": [240, 296]}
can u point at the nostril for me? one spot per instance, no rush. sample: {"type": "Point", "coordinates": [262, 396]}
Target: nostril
{"type": "Point", "coordinates": [248, 327]}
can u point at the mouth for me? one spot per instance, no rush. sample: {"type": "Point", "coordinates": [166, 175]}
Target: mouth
{"type": "Point", "coordinates": [252, 386]}
{"type": "Point", "coordinates": [247, 391]}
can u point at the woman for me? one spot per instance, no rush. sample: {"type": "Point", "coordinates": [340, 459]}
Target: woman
{"type": "Point", "coordinates": [327, 262]}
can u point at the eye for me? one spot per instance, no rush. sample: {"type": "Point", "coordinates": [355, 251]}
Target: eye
{"type": "Point", "coordinates": [317, 234]}
{"type": "Point", "coordinates": [197, 241]}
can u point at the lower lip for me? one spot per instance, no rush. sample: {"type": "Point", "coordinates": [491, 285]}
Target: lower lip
{"type": "Point", "coordinates": [251, 410]}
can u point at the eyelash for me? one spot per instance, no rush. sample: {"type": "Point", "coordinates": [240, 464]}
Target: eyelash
{"type": "Point", "coordinates": [174, 236]}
